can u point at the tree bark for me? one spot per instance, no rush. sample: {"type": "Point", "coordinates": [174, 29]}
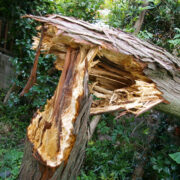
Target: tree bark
{"type": "Point", "coordinates": [9, 93]}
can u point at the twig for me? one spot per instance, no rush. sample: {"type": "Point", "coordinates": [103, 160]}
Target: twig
{"type": "Point", "coordinates": [136, 127]}
{"type": "Point", "coordinates": [93, 125]}
{"type": "Point", "coordinates": [9, 93]}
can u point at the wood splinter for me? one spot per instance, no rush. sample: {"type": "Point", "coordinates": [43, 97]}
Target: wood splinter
{"type": "Point", "coordinates": [32, 77]}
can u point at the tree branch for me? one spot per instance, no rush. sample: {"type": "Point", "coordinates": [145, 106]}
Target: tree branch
{"type": "Point", "coordinates": [93, 125]}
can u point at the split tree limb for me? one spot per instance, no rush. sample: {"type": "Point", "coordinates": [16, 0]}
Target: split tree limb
{"type": "Point", "coordinates": [31, 169]}
{"type": "Point", "coordinates": [63, 148]}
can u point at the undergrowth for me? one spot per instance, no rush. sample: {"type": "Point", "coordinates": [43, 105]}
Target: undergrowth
{"type": "Point", "coordinates": [113, 153]}
{"type": "Point", "coordinates": [13, 123]}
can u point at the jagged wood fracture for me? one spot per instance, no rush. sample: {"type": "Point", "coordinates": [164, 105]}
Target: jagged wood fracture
{"type": "Point", "coordinates": [122, 72]}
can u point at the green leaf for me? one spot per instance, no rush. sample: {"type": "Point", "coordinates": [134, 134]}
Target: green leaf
{"type": "Point", "coordinates": [175, 157]}
{"type": "Point", "coordinates": [146, 131]}
{"type": "Point", "coordinates": [145, 8]}
{"type": "Point", "coordinates": [156, 2]}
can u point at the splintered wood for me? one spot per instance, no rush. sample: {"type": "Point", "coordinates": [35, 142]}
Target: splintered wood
{"type": "Point", "coordinates": [51, 131]}
{"type": "Point", "coordinates": [116, 80]}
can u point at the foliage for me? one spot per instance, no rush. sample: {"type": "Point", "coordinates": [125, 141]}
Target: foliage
{"type": "Point", "coordinates": [162, 20]}
{"type": "Point", "coordinates": [86, 10]}
{"type": "Point", "coordinates": [10, 162]}
{"type": "Point", "coordinates": [113, 152]}
{"type": "Point", "coordinates": [21, 30]}
{"type": "Point", "coordinates": [13, 124]}
{"type": "Point", "coordinates": [109, 154]}
{"type": "Point", "coordinates": [175, 42]}
{"type": "Point", "coordinates": [145, 35]}
{"type": "Point", "coordinates": [175, 157]}
{"type": "Point", "coordinates": [161, 166]}
{"type": "Point", "coordinates": [124, 14]}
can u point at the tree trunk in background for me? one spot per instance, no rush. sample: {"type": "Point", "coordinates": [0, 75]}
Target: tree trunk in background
{"type": "Point", "coordinates": [31, 169]}
{"type": "Point", "coordinates": [140, 20]}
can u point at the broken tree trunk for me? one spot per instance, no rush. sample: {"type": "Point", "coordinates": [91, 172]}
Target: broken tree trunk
{"type": "Point", "coordinates": [31, 169]}
{"type": "Point", "coordinates": [125, 74]}
{"type": "Point", "coordinates": [62, 127]}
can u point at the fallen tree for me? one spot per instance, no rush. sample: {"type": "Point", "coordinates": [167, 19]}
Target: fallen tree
{"type": "Point", "coordinates": [122, 72]}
